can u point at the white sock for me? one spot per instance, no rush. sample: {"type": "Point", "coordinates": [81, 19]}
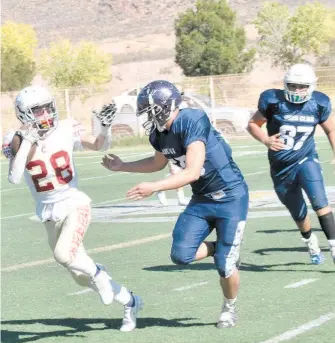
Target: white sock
{"type": "Point", "coordinates": [331, 243]}
{"type": "Point", "coordinates": [121, 294]}
{"type": "Point", "coordinates": [230, 302]}
{"type": "Point", "coordinates": [180, 194]}
{"type": "Point", "coordinates": [161, 197]}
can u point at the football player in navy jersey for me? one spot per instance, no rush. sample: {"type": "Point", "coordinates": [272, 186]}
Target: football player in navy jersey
{"type": "Point", "coordinates": [291, 116]}
{"type": "Point", "coordinates": [220, 195]}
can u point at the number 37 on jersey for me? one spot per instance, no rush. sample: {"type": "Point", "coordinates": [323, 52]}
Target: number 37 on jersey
{"type": "Point", "coordinates": [295, 136]}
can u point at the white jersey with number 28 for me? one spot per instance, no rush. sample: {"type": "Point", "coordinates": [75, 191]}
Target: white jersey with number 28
{"type": "Point", "coordinates": [51, 174]}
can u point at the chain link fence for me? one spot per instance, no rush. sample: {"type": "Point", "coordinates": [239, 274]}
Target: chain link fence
{"type": "Point", "coordinates": [229, 100]}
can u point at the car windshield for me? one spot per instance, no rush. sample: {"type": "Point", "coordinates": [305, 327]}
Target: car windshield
{"type": "Point", "coordinates": [203, 98]}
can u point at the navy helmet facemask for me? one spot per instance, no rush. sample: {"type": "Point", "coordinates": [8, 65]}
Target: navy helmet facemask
{"type": "Point", "coordinates": [158, 100]}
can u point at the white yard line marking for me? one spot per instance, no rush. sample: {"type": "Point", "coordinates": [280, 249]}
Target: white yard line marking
{"type": "Point", "coordinates": [259, 172]}
{"type": "Point", "coordinates": [133, 154]}
{"type": "Point", "coordinates": [18, 215]}
{"type": "Point", "coordinates": [108, 201]}
{"type": "Point", "coordinates": [301, 283]}
{"type": "Point", "coordinates": [123, 157]}
{"type": "Point", "coordinates": [190, 286]}
{"type": "Point", "coordinates": [286, 336]}
{"type": "Point", "coordinates": [84, 291]}
{"type": "Point", "coordinates": [90, 252]}
{"type": "Point", "coordinates": [101, 176]}
{"type": "Point", "coordinates": [12, 189]}
{"type": "Point", "coordinates": [88, 290]}
{"type": "Point", "coordinates": [81, 179]}
{"type": "Point", "coordinates": [77, 157]}
{"type": "Point", "coordinates": [325, 161]}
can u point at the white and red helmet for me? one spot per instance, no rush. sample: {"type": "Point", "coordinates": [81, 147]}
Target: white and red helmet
{"type": "Point", "coordinates": [37, 106]}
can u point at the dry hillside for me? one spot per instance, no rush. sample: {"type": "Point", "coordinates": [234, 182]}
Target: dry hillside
{"type": "Point", "coordinates": [103, 19]}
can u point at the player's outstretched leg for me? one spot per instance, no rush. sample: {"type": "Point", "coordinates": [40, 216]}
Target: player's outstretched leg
{"type": "Point", "coordinates": [132, 303]}
{"type": "Point", "coordinates": [131, 310]}
{"type": "Point", "coordinates": [310, 240]}
{"type": "Point", "coordinates": [228, 315]}
{"type": "Point", "coordinates": [227, 257]}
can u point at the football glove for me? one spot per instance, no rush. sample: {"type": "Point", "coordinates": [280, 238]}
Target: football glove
{"type": "Point", "coordinates": [31, 134]}
{"type": "Point", "coordinates": [106, 114]}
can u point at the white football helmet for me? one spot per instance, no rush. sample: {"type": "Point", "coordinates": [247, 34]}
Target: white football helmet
{"type": "Point", "coordinates": [299, 74]}
{"type": "Point", "coordinates": [35, 105]}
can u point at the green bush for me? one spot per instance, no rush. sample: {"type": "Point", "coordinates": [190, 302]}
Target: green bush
{"type": "Point", "coordinates": [17, 55]}
{"type": "Point", "coordinates": [65, 65]}
{"type": "Point", "coordinates": [209, 42]}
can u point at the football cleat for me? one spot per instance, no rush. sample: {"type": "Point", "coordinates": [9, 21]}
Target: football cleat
{"type": "Point", "coordinates": [130, 314]}
{"type": "Point", "coordinates": [228, 316]}
{"type": "Point", "coordinates": [314, 250]}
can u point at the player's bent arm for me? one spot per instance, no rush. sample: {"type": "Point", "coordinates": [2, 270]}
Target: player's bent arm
{"type": "Point", "coordinates": [254, 127]}
{"type": "Point", "coordinates": [147, 165]}
{"type": "Point", "coordinates": [100, 141]}
{"type": "Point", "coordinates": [95, 143]}
{"type": "Point", "coordinates": [18, 162]}
{"type": "Point", "coordinates": [329, 128]}
{"type": "Point", "coordinates": [195, 158]}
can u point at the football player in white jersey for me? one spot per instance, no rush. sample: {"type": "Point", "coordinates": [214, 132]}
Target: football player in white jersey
{"type": "Point", "coordinates": [42, 151]}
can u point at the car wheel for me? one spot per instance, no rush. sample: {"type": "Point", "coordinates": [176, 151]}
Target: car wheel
{"type": "Point", "coordinates": [127, 109]}
{"type": "Point", "coordinates": [225, 127]}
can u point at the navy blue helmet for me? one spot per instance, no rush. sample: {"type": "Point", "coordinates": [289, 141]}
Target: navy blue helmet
{"type": "Point", "coordinates": [158, 100]}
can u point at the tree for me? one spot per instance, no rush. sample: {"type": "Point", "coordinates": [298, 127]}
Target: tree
{"type": "Point", "coordinates": [209, 41]}
{"type": "Point", "coordinates": [65, 65]}
{"type": "Point", "coordinates": [289, 39]}
{"type": "Point", "coordinates": [17, 55]}
{"type": "Point", "coordinates": [328, 59]}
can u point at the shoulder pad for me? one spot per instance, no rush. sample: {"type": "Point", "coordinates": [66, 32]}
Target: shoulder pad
{"type": "Point", "coordinates": [321, 98]}
{"type": "Point", "coordinates": [271, 99]}
{"type": "Point", "coordinates": [272, 95]}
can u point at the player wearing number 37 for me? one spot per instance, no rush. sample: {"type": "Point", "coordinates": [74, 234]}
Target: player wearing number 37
{"type": "Point", "coordinates": [42, 151]}
{"type": "Point", "coordinates": [291, 116]}
{"type": "Point", "coordinates": [186, 138]}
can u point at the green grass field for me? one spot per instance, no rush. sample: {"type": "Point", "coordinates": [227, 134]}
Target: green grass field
{"type": "Point", "coordinates": [41, 303]}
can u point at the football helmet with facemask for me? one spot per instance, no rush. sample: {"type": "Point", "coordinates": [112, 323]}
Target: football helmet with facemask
{"type": "Point", "coordinates": [299, 83]}
{"type": "Point", "coordinates": [158, 100]}
{"type": "Point", "coordinates": [34, 105]}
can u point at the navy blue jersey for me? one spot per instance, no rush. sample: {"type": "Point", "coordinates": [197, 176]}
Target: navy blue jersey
{"type": "Point", "coordinates": [219, 172]}
{"type": "Point", "coordinates": [296, 123]}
